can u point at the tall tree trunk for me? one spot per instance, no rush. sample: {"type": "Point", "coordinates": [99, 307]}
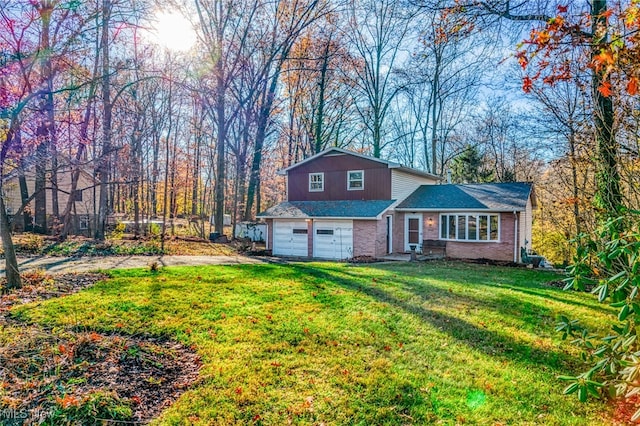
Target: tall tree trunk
{"type": "Point", "coordinates": [196, 172]}
{"type": "Point", "coordinates": [12, 273]}
{"type": "Point", "coordinates": [608, 197]}
{"type": "Point", "coordinates": [322, 83]}
{"type": "Point", "coordinates": [220, 150]}
{"type": "Point", "coordinates": [80, 155]}
{"type": "Point", "coordinates": [435, 88]}
{"type": "Point", "coordinates": [254, 175]}
{"type": "Point", "coordinates": [46, 125]}
{"type": "Point", "coordinates": [40, 216]}
{"type": "Point", "coordinates": [103, 165]}
{"type": "Point", "coordinates": [155, 173]}
{"type": "Point", "coordinates": [27, 218]}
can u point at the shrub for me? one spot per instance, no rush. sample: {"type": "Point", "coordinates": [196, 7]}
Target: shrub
{"type": "Point", "coordinates": [155, 230]}
{"type": "Point", "coordinates": [118, 231]}
{"type": "Point", "coordinates": [610, 261]}
{"type": "Point", "coordinates": [553, 245]}
{"type": "Point", "coordinates": [31, 243]}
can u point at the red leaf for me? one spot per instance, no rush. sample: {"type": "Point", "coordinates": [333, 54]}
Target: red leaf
{"type": "Point", "coordinates": [605, 89]}
{"type": "Point", "coordinates": [523, 62]}
{"type": "Point", "coordinates": [527, 84]}
{"type": "Point", "coordinates": [632, 86]}
{"type": "Point", "coordinates": [562, 9]}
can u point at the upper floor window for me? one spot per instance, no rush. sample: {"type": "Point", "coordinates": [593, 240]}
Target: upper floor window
{"type": "Point", "coordinates": [355, 180]}
{"type": "Point", "coordinates": [316, 182]}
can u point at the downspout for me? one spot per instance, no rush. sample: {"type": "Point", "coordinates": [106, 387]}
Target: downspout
{"type": "Point", "coordinates": [515, 237]}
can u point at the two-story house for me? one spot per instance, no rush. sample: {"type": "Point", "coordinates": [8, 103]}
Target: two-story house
{"type": "Point", "coordinates": [342, 204]}
{"type": "Point", "coordinates": [83, 208]}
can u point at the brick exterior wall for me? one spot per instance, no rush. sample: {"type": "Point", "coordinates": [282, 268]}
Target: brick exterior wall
{"type": "Point", "coordinates": [365, 238]}
{"type": "Point", "coordinates": [502, 250]}
{"type": "Point", "coordinates": [310, 238]}
{"type": "Point", "coordinates": [398, 232]}
{"type": "Point", "coordinates": [431, 226]}
{"type": "Point", "coordinates": [370, 236]}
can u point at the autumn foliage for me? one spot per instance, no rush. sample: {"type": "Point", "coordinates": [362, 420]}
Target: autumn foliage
{"type": "Point", "coordinates": [608, 44]}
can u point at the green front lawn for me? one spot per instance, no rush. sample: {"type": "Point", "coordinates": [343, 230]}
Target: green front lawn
{"type": "Point", "coordinates": [313, 343]}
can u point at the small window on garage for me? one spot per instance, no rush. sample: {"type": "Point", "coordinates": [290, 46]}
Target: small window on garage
{"type": "Point", "coordinates": [355, 180]}
{"type": "Point", "coordinates": [316, 182]}
{"type": "Point", "coordinates": [299, 230]}
{"type": "Point", "coordinates": [324, 231]}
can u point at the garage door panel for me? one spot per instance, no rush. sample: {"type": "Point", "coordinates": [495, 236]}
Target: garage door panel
{"type": "Point", "coordinates": [333, 239]}
{"type": "Point", "coordinates": [290, 238]}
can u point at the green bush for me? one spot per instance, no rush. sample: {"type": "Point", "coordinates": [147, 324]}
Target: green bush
{"type": "Point", "coordinates": [553, 245]}
{"type": "Point", "coordinates": [609, 261]}
{"type": "Point", "coordinates": [118, 231]}
{"type": "Point", "coordinates": [155, 230]}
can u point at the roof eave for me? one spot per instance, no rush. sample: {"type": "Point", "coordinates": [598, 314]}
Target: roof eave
{"type": "Point", "coordinates": [420, 209]}
{"type": "Point", "coordinates": [415, 172]}
{"type": "Point", "coordinates": [323, 217]}
{"type": "Point", "coordinates": [326, 151]}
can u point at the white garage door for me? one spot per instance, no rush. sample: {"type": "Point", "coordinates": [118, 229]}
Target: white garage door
{"type": "Point", "coordinates": [333, 239]}
{"type": "Point", "coordinates": [290, 238]}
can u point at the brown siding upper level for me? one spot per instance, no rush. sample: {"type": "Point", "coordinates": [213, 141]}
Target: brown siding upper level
{"type": "Point", "coordinates": [377, 179]}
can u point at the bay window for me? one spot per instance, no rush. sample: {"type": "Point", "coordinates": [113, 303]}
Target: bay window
{"type": "Point", "coordinates": [470, 227]}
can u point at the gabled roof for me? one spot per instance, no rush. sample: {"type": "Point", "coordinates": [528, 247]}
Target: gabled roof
{"type": "Point", "coordinates": [343, 209]}
{"type": "Point", "coordinates": [389, 164]}
{"type": "Point", "coordinates": [64, 166]}
{"type": "Point", "coordinates": [480, 196]}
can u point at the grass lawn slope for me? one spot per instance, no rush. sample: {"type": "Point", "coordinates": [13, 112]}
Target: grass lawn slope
{"type": "Point", "coordinates": [311, 343]}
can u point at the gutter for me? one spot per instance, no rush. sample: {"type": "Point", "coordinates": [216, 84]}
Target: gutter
{"type": "Point", "coordinates": [470, 210]}
{"type": "Point", "coordinates": [378, 217]}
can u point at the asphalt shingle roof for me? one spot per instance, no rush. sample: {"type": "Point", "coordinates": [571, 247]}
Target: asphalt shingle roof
{"type": "Point", "coordinates": [333, 209]}
{"type": "Point", "coordinates": [480, 196]}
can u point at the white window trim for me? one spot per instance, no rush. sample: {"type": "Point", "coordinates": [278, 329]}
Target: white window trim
{"type": "Point", "coordinates": [316, 174]}
{"type": "Point", "coordinates": [81, 221]}
{"type": "Point", "coordinates": [477, 215]}
{"type": "Point", "coordinates": [349, 180]}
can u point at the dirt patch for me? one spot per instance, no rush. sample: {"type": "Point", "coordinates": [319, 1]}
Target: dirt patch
{"type": "Point", "coordinates": [65, 376]}
{"type": "Point", "coordinates": [28, 245]}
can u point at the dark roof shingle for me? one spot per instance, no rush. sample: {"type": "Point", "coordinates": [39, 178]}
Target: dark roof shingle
{"type": "Point", "coordinates": [330, 209]}
{"type": "Point", "coordinates": [480, 196]}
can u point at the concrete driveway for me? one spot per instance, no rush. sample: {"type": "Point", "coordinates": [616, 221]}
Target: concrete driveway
{"type": "Point", "coordinates": [95, 263]}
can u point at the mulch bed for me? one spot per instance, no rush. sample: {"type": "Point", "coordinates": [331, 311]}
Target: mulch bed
{"type": "Point", "coordinates": [84, 377]}
{"type": "Point", "coordinates": [363, 259]}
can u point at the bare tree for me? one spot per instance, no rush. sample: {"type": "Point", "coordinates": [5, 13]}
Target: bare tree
{"type": "Point", "coordinates": [376, 31]}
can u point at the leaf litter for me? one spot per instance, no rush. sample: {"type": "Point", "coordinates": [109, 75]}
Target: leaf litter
{"type": "Point", "coordinates": [70, 376]}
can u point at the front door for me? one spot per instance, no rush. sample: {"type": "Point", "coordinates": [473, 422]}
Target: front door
{"type": "Point", "coordinates": [413, 232]}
